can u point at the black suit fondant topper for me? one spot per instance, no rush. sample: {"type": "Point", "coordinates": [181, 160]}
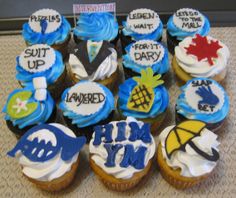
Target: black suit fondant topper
{"type": "Point", "coordinates": [81, 53]}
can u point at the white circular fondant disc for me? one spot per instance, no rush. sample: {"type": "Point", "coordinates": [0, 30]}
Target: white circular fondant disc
{"type": "Point", "coordinates": [146, 52]}
{"type": "Point", "coordinates": [193, 99]}
{"type": "Point", "coordinates": [52, 17]}
{"type": "Point", "coordinates": [188, 19]}
{"type": "Point", "coordinates": [85, 98]}
{"type": "Point", "coordinates": [143, 21]}
{"type": "Point", "coordinates": [37, 58]}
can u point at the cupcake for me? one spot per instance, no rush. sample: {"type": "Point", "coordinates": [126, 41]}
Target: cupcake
{"type": "Point", "coordinates": [49, 155]}
{"type": "Point", "coordinates": [41, 60]}
{"type": "Point", "coordinates": [121, 153]}
{"type": "Point", "coordinates": [94, 61]}
{"type": "Point", "coordinates": [47, 26]}
{"type": "Point", "coordinates": [200, 57]}
{"type": "Point", "coordinates": [187, 153]}
{"type": "Point", "coordinates": [183, 23]}
{"type": "Point", "coordinates": [85, 105]}
{"type": "Point", "coordinates": [143, 54]}
{"type": "Point", "coordinates": [144, 98]}
{"type": "Point", "coordinates": [29, 106]}
{"type": "Point", "coordinates": [141, 24]}
{"type": "Point", "coordinates": [205, 100]}
{"type": "Point", "coordinates": [96, 27]}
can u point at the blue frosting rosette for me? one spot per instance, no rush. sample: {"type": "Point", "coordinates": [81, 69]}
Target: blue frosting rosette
{"type": "Point", "coordinates": [50, 65]}
{"type": "Point", "coordinates": [54, 36]}
{"type": "Point", "coordinates": [203, 99]}
{"type": "Point", "coordinates": [160, 66]}
{"type": "Point", "coordinates": [180, 34]}
{"type": "Point", "coordinates": [143, 97]}
{"type": "Point", "coordinates": [87, 103]}
{"type": "Point", "coordinates": [96, 26]}
{"type": "Point", "coordinates": [140, 24]}
{"type": "Point", "coordinates": [24, 109]}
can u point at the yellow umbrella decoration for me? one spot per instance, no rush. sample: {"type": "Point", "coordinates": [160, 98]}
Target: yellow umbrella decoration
{"type": "Point", "coordinates": [180, 136]}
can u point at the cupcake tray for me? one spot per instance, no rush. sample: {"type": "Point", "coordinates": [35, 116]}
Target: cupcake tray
{"type": "Point", "coordinates": [221, 183]}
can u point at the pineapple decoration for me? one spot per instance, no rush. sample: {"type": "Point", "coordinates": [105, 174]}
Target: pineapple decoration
{"type": "Point", "coordinates": [142, 95]}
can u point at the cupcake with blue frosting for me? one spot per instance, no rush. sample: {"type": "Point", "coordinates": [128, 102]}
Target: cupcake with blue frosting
{"type": "Point", "coordinates": [85, 105]}
{"type": "Point", "coordinates": [47, 26]}
{"type": "Point", "coordinates": [96, 27]}
{"type": "Point", "coordinates": [205, 100]}
{"type": "Point", "coordinates": [29, 106]}
{"type": "Point", "coordinates": [141, 24]}
{"type": "Point", "coordinates": [144, 98]}
{"type": "Point", "coordinates": [41, 60]}
{"type": "Point", "coordinates": [183, 23]}
{"type": "Point", "coordinates": [145, 54]}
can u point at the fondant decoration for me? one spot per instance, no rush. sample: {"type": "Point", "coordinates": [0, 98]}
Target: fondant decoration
{"type": "Point", "coordinates": [142, 96]}
{"type": "Point", "coordinates": [207, 96]}
{"type": "Point", "coordinates": [146, 52]}
{"type": "Point", "coordinates": [36, 148]}
{"type": "Point", "coordinates": [202, 48]}
{"type": "Point", "coordinates": [94, 8]}
{"type": "Point", "coordinates": [143, 21]}
{"type": "Point", "coordinates": [45, 21]}
{"type": "Point", "coordinates": [92, 60]}
{"type": "Point", "coordinates": [132, 157]}
{"type": "Point", "coordinates": [182, 134]}
{"type": "Point", "coordinates": [85, 98]}
{"type": "Point", "coordinates": [43, 24]}
{"type": "Point", "coordinates": [37, 58]}
{"type": "Point", "coordinates": [19, 106]}
{"type": "Point", "coordinates": [40, 85]}
{"type": "Point", "coordinates": [204, 95]}
{"type": "Point", "coordinates": [188, 19]}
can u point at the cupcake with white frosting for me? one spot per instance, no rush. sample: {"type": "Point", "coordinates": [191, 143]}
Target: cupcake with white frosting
{"type": "Point", "coordinates": [200, 57]}
{"type": "Point", "coordinates": [94, 61]}
{"type": "Point", "coordinates": [121, 153]}
{"type": "Point", "coordinates": [187, 153]}
{"type": "Point", "coordinates": [49, 155]}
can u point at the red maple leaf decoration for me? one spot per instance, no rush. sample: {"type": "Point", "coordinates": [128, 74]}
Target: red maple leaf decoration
{"type": "Point", "coordinates": [203, 49]}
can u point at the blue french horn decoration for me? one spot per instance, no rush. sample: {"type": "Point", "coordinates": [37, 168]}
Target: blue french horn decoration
{"type": "Point", "coordinates": [38, 149]}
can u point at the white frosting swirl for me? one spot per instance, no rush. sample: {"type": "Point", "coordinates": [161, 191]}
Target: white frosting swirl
{"type": "Point", "coordinates": [105, 69]}
{"type": "Point", "coordinates": [49, 170]}
{"type": "Point", "coordinates": [190, 64]}
{"type": "Point", "coordinates": [99, 153]}
{"type": "Point", "coordinates": [190, 162]}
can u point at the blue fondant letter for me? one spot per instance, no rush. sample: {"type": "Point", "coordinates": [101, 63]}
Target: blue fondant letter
{"type": "Point", "coordinates": [135, 159]}
{"type": "Point", "coordinates": [142, 133]}
{"type": "Point", "coordinates": [121, 131]}
{"type": "Point", "coordinates": [99, 133]}
{"type": "Point", "coordinates": [111, 153]}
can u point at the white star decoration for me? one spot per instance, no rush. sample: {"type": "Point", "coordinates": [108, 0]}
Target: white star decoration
{"type": "Point", "coordinates": [20, 104]}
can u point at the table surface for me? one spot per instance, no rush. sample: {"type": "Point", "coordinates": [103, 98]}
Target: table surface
{"type": "Point", "coordinates": [221, 183]}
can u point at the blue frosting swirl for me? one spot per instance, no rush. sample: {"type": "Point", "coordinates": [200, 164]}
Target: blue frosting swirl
{"type": "Point", "coordinates": [83, 121]}
{"type": "Point", "coordinates": [181, 34]}
{"type": "Point", "coordinates": [51, 74]}
{"type": "Point", "coordinates": [160, 103]}
{"type": "Point", "coordinates": [57, 37]}
{"type": "Point", "coordinates": [96, 26]}
{"type": "Point", "coordinates": [39, 116]}
{"type": "Point", "coordinates": [188, 112]}
{"type": "Point", "coordinates": [160, 67]}
{"type": "Point", "coordinates": [155, 35]}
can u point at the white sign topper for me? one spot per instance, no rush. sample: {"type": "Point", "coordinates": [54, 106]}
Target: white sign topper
{"type": "Point", "coordinates": [51, 17]}
{"type": "Point", "coordinates": [146, 52]}
{"type": "Point", "coordinates": [143, 21]}
{"type": "Point", "coordinates": [188, 19]}
{"type": "Point", "coordinates": [92, 8]}
{"type": "Point", "coordinates": [37, 58]}
{"type": "Point", "coordinates": [205, 96]}
{"type": "Point", "coordinates": [85, 98]}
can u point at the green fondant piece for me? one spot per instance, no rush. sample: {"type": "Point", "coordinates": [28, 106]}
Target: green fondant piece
{"type": "Point", "coordinates": [18, 106]}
